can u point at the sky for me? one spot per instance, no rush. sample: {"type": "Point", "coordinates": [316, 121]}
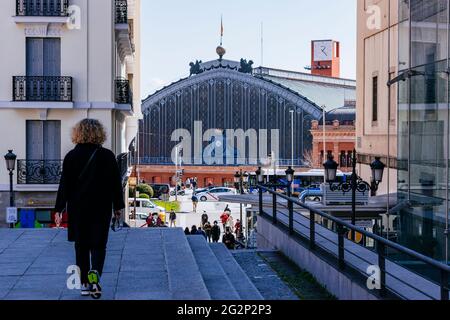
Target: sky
{"type": "Point", "coordinates": [176, 32]}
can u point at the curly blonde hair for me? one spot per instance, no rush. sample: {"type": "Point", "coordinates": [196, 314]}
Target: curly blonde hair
{"type": "Point", "coordinates": [89, 131]}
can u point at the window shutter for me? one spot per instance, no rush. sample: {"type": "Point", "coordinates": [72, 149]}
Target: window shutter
{"type": "Point", "coordinates": [35, 60]}
{"type": "Point", "coordinates": [52, 140]}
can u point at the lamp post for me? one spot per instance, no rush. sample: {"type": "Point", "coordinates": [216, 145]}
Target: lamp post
{"type": "Point", "coordinates": [290, 178]}
{"type": "Point", "coordinates": [10, 159]}
{"type": "Point", "coordinates": [241, 178]}
{"type": "Point", "coordinates": [356, 183]}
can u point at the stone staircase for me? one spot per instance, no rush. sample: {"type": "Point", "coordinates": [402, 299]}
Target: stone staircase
{"type": "Point", "coordinates": [141, 264]}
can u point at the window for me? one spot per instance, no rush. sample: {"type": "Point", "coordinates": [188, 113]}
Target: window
{"type": "Point", "coordinates": [43, 57]}
{"type": "Point", "coordinates": [343, 159]}
{"type": "Point", "coordinates": [146, 204]}
{"type": "Point", "coordinates": [375, 99]}
{"type": "Point", "coordinates": [349, 158]}
{"type": "Point", "coordinates": [43, 140]}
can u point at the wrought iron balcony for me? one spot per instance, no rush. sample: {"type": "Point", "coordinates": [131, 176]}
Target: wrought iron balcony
{"type": "Point", "coordinates": [41, 172]}
{"type": "Point", "coordinates": [124, 162]}
{"type": "Point", "coordinates": [123, 92]}
{"type": "Point", "coordinates": [42, 8]}
{"type": "Point", "coordinates": [121, 11]}
{"type": "Point", "coordinates": [42, 89]}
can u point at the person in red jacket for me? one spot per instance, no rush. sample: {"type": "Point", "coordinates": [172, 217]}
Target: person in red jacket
{"type": "Point", "coordinates": [224, 218]}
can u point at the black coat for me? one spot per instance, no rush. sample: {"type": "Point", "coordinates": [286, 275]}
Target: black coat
{"type": "Point", "coordinates": [215, 232]}
{"type": "Point", "coordinates": [90, 201]}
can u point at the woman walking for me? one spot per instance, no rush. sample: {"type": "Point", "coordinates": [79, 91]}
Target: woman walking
{"type": "Point", "coordinates": [89, 191]}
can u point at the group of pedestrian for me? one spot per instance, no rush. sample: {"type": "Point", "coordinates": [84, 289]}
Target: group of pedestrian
{"type": "Point", "coordinates": [212, 232]}
{"type": "Point", "coordinates": [191, 183]}
{"type": "Point", "coordinates": [155, 221]}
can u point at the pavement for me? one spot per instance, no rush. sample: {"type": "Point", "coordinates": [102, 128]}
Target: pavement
{"type": "Point", "coordinates": [140, 265]}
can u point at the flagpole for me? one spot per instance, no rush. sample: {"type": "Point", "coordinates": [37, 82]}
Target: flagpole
{"type": "Point", "coordinates": [221, 30]}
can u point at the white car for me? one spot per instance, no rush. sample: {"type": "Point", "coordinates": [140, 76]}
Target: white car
{"type": "Point", "coordinates": [215, 193]}
{"type": "Point", "coordinates": [144, 206]}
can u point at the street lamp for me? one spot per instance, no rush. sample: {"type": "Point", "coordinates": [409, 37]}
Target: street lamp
{"type": "Point", "coordinates": [10, 159]}
{"type": "Point", "coordinates": [259, 175]}
{"type": "Point", "coordinates": [356, 183]}
{"type": "Point", "coordinates": [377, 171]}
{"type": "Point", "coordinates": [330, 169]}
{"type": "Point", "coordinates": [290, 178]}
{"type": "Point", "coordinates": [237, 181]}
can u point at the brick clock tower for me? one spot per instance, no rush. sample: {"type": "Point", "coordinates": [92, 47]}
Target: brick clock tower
{"type": "Point", "coordinates": [325, 58]}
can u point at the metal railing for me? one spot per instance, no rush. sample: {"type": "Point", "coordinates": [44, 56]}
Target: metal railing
{"type": "Point", "coordinates": [42, 8]}
{"type": "Point", "coordinates": [245, 162]}
{"type": "Point", "coordinates": [39, 172]}
{"type": "Point", "coordinates": [121, 11]}
{"type": "Point", "coordinates": [382, 245]}
{"type": "Point", "coordinates": [123, 92]}
{"type": "Point", "coordinates": [36, 88]}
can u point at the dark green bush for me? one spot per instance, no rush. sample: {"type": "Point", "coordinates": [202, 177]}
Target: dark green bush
{"type": "Point", "coordinates": [145, 189]}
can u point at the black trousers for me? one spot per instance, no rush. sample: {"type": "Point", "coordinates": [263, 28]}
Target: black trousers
{"type": "Point", "coordinates": [89, 258]}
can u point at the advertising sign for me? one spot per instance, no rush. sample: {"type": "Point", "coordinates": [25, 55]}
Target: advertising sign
{"type": "Point", "coordinates": [11, 215]}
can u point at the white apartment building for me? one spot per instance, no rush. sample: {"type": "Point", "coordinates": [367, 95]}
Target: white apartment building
{"type": "Point", "coordinates": [63, 61]}
{"type": "Point", "coordinates": [376, 107]}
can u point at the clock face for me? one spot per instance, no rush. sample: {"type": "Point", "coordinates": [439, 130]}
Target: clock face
{"type": "Point", "coordinates": [323, 50]}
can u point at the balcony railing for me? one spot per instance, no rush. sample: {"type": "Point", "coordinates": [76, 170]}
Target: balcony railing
{"type": "Point", "coordinates": [121, 11]}
{"type": "Point", "coordinates": [123, 92]}
{"type": "Point", "coordinates": [124, 162]}
{"type": "Point", "coordinates": [42, 8]}
{"type": "Point", "coordinates": [42, 89]}
{"type": "Point", "coordinates": [41, 172]}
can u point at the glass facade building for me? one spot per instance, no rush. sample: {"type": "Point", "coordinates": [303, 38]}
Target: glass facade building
{"type": "Point", "coordinates": [423, 126]}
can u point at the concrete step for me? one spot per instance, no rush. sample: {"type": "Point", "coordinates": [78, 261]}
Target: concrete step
{"type": "Point", "coordinates": [241, 282]}
{"type": "Point", "coordinates": [185, 276]}
{"type": "Point", "coordinates": [216, 280]}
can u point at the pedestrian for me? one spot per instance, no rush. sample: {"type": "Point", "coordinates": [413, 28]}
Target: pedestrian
{"type": "Point", "coordinates": [204, 218]}
{"type": "Point", "coordinates": [194, 203]}
{"type": "Point", "coordinates": [228, 239]}
{"type": "Point", "coordinates": [173, 219]}
{"type": "Point", "coordinates": [194, 183]}
{"type": "Point", "coordinates": [224, 218]}
{"type": "Point", "coordinates": [149, 221]}
{"type": "Point", "coordinates": [187, 232]}
{"type": "Point", "coordinates": [208, 230]}
{"type": "Point", "coordinates": [188, 183]}
{"type": "Point", "coordinates": [238, 229]}
{"type": "Point", "coordinates": [215, 232]}
{"type": "Point", "coordinates": [89, 206]}
{"type": "Point", "coordinates": [227, 209]}
{"type": "Point", "coordinates": [194, 230]}
{"type": "Point", "coordinates": [200, 232]}
{"type": "Point", "coordinates": [230, 222]}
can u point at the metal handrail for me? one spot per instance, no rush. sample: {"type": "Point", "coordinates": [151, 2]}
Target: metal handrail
{"type": "Point", "coordinates": [382, 243]}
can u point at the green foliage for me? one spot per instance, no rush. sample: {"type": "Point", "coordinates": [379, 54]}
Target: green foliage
{"type": "Point", "coordinates": [145, 189]}
{"type": "Point", "coordinates": [144, 196]}
{"type": "Point", "coordinates": [169, 206]}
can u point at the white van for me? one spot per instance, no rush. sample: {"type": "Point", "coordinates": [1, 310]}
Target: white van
{"type": "Point", "coordinates": [144, 206]}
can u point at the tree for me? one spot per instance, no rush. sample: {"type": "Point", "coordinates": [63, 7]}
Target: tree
{"type": "Point", "coordinates": [308, 159]}
{"type": "Point", "coordinates": [145, 189]}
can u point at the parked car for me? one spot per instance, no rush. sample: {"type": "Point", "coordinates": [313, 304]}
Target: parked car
{"type": "Point", "coordinates": [202, 190]}
{"type": "Point", "coordinates": [145, 206]}
{"type": "Point", "coordinates": [215, 193]}
{"type": "Point", "coordinates": [160, 189]}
